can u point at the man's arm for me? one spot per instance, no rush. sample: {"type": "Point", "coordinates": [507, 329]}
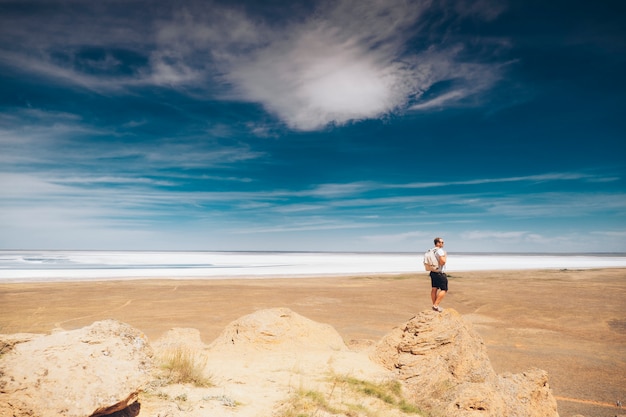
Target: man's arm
{"type": "Point", "coordinates": [442, 259]}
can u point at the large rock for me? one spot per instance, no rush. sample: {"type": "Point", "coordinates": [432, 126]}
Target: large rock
{"type": "Point", "coordinates": [444, 365]}
{"type": "Point", "coordinates": [259, 362]}
{"type": "Point", "coordinates": [277, 329]}
{"type": "Point", "coordinates": [93, 371]}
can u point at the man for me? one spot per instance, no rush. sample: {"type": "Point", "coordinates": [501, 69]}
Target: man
{"type": "Point", "coordinates": [438, 279]}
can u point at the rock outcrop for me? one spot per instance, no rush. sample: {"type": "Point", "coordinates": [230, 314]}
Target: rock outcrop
{"type": "Point", "coordinates": [277, 329]}
{"type": "Point", "coordinates": [255, 364]}
{"type": "Point", "coordinates": [93, 371]}
{"type": "Point", "coordinates": [258, 364]}
{"type": "Point", "coordinates": [445, 368]}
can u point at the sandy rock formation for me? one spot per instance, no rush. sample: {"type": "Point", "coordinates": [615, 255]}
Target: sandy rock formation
{"type": "Point", "coordinates": [96, 370]}
{"type": "Point", "coordinates": [178, 338]}
{"type": "Point", "coordinates": [277, 329]}
{"type": "Point", "coordinates": [259, 362]}
{"type": "Point", "coordinates": [256, 364]}
{"type": "Point", "coordinates": [444, 365]}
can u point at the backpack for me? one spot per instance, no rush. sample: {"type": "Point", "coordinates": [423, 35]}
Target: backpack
{"type": "Point", "coordinates": [431, 263]}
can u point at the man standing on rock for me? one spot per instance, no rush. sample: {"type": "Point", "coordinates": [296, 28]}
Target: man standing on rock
{"type": "Point", "coordinates": [439, 279]}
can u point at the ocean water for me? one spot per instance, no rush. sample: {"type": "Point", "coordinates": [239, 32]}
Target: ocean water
{"type": "Point", "coordinates": [38, 266]}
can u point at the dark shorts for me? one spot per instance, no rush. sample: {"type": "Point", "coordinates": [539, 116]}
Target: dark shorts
{"type": "Point", "coordinates": [439, 280]}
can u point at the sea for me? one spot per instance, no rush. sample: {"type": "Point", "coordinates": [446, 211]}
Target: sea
{"type": "Point", "coordinates": [73, 265]}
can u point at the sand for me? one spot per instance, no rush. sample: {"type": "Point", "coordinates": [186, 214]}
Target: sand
{"type": "Point", "coordinates": [572, 323]}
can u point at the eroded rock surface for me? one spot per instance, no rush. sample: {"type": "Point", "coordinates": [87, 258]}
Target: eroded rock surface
{"type": "Point", "coordinates": [445, 368]}
{"type": "Point", "coordinates": [277, 329]}
{"type": "Point", "coordinates": [256, 364]}
{"type": "Point", "coordinates": [96, 370]}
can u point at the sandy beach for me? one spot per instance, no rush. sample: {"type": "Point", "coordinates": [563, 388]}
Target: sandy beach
{"type": "Point", "coordinates": [571, 323]}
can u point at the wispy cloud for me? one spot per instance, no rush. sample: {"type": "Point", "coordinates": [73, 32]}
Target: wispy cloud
{"type": "Point", "coordinates": [110, 180]}
{"type": "Point", "coordinates": [41, 202]}
{"type": "Point", "coordinates": [350, 61]}
{"type": "Point", "coordinates": [332, 63]}
{"type": "Point", "coordinates": [394, 238]}
{"type": "Point", "coordinates": [440, 101]}
{"type": "Point", "coordinates": [557, 176]}
{"type": "Point", "coordinates": [63, 142]}
{"type": "Point", "coordinates": [554, 204]}
{"type": "Point", "coordinates": [341, 190]}
{"type": "Point", "coordinates": [318, 225]}
{"type": "Point", "coordinates": [499, 235]}
{"type": "Point", "coordinates": [150, 194]}
{"type": "Point", "coordinates": [611, 233]}
{"type": "Point", "coordinates": [362, 187]}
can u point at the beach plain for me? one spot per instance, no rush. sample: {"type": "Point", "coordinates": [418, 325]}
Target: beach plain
{"type": "Point", "coordinates": [571, 323]}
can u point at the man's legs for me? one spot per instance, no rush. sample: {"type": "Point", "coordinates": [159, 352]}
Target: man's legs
{"type": "Point", "coordinates": [439, 297]}
{"type": "Point", "coordinates": [439, 289]}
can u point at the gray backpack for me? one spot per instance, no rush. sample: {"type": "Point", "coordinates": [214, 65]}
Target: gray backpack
{"type": "Point", "coordinates": [430, 260]}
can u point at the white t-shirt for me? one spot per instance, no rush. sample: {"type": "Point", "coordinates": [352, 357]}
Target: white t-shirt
{"type": "Point", "coordinates": [439, 253]}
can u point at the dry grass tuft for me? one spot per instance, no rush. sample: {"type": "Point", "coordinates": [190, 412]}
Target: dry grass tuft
{"type": "Point", "coordinates": [350, 397]}
{"type": "Point", "coordinates": [184, 366]}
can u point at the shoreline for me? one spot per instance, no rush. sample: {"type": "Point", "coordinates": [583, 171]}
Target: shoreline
{"type": "Point", "coordinates": [166, 276]}
{"type": "Point", "coordinates": [66, 266]}
{"type": "Point", "coordinates": [572, 323]}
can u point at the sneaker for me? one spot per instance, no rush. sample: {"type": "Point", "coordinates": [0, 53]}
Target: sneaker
{"type": "Point", "coordinates": [437, 308]}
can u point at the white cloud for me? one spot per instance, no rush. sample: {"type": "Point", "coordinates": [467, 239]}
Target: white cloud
{"type": "Point", "coordinates": [28, 187]}
{"type": "Point", "coordinates": [557, 176]}
{"type": "Point", "coordinates": [44, 203]}
{"type": "Point", "coordinates": [553, 204]}
{"type": "Point", "coordinates": [320, 78]}
{"type": "Point", "coordinates": [395, 238]}
{"type": "Point", "coordinates": [351, 62]}
{"type": "Point", "coordinates": [35, 138]}
{"type": "Point", "coordinates": [497, 235]}
{"type": "Point", "coordinates": [440, 101]}
{"type": "Point", "coordinates": [343, 61]}
{"type": "Point", "coordinates": [611, 233]}
{"type": "Point", "coordinates": [314, 225]}
{"type": "Point", "coordinates": [328, 72]}
{"type": "Point", "coordinates": [341, 190]}
{"type": "Point", "coordinates": [298, 208]}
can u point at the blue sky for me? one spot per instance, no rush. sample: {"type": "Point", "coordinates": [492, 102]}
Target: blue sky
{"type": "Point", "coordinates": [347, 125]}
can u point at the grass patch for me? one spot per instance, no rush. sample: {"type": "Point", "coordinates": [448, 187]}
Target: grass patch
{"type": "Point", "coordinates": [350, 397]}
{"type": "Point", "coordinates": [183, 366]}
{"type": "Point", "coordinates": [389, 392]}
{"type": "Point", "coordinates": [308, 404]}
